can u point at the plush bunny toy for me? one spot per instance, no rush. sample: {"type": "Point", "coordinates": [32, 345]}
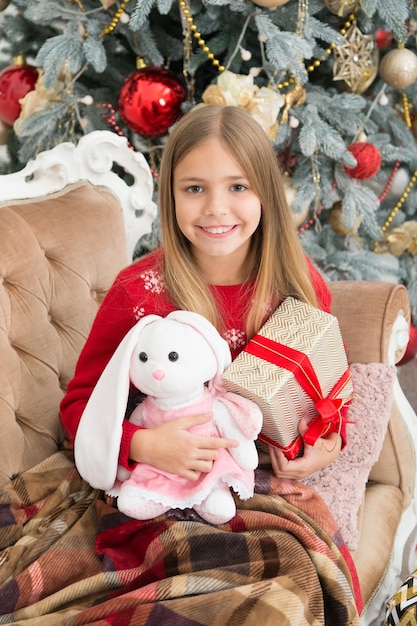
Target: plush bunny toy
{"type": "Point", "coordinates": [177, 362]}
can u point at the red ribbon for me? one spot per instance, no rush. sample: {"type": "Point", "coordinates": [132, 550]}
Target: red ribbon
{"type": "Point", "coordinates": [328, 408]}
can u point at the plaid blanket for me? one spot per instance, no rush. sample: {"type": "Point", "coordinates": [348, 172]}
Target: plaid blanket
{"type": "Point", "coordinates": [69, 558]}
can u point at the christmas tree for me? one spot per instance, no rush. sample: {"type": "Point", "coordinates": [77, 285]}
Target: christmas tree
{"type": "Point", "coordinates": [333, 83]}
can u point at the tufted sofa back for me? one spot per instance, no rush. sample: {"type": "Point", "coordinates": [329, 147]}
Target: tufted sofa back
{"type": "Point", "coordinates": [58, 257]}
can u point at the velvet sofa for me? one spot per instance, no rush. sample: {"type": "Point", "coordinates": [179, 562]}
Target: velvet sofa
{"type": "Point", "coordinates": [68, 224]}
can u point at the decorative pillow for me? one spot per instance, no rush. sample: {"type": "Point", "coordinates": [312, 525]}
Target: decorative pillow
{"type": "Point", "coordinates": [342, 483]}
{"type": "Point", "coordinates": [402, 606]}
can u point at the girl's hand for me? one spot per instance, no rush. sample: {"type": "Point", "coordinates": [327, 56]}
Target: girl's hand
{"type": "Point", "coordinates": [325, 451]}
{"type": "Point", "coordinates": [171, 447]}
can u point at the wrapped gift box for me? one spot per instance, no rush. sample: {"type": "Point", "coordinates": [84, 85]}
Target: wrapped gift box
{"type": "Point", "coordinates": [295, 366]}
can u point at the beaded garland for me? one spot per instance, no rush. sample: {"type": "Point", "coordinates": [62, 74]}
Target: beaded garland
{"type": "Point", "coordinates": [406, 109]}
{"type": "Point", "coordinates": [110, 28]}
{"type": "Point", "coordinates": [110, 117]}
{"type": "Point", "coordinates": [317, 62]}
{"type": "Point", "coordinates": [185, 8]}
{"type": "Point", "coordinates": [378, 249]}
{"type": "Point", "coordinates": [382, 197]}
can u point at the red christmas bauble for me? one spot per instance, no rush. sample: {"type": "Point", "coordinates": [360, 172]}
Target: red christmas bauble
{"type": "Point", "coordinates": [411, 349]}
{"type": "Point", "coordinates": [15, 82]}
{"type": "Point", "coordinates": [368, 159]}
{"type": "Point", "coordinates": [150, 101]}
{"type": "Point", "coordinates": [383, 38]}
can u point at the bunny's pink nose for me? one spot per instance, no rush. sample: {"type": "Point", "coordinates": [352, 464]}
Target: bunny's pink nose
{"type": "Point", "coordinates": [158, 374]}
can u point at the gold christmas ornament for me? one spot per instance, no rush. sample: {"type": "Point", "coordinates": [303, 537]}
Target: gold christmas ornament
{"type": "Point", "coordinates": [341, 8]}
{"type": "Point", "coordinates": [239, 90]}
{"type": "Point", "coordinates": [369, 76]}
{"type": "Point", "coordinates": [336, 221]}
{"type": "Point", "coordinates": [354, 59]}
{"type": "Point", "coordinates": [37, 100]}
{"type": "Point", "coordinates": [402, 239]}
{"type": "Point", "coordinates": [106, 4]}
{"type": "Point", "coordinates": [293, 99]}
{"type": "Point", "coordinates": [290, 194]}
{"type": "Point", "coordinates": [299, 218]}
{"type": "Point", "coordinates": [78, 3]}
{"type": "Point", "coordinates": [270, 4]}
{"type": "Point", "coordinates": [348, 22]}
{"type": "Point", "coordinates": [398, 68]}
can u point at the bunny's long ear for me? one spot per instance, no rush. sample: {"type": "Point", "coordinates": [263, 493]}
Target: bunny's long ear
{"type": "Point", "coordinates": [97, 442]}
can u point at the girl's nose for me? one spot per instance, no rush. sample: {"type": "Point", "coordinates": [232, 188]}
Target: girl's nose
{"type": "Point", "coordinates": [216, 204]}
{"type": "Point", "coordinates": [158, 374]}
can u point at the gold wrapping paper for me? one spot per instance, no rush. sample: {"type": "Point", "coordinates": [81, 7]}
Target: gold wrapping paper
{"type": "Point", "coordinates": [316, 337]}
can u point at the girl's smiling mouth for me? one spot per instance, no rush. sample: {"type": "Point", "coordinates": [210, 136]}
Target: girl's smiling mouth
{"type": "Point", "coordinates": [216, 230]}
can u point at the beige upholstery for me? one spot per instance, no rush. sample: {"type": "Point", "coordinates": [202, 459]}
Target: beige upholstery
{"type": "Point", "coordinates": [59, 255]}
{"type": "Point", "coordinates": [57, 259]}
{"type": "Point", "coordinates": [372, 310]}
{"type": "Point", "coordinates": [366, 313]}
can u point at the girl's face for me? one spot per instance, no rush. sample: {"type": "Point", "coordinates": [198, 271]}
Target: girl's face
{"type": "Point", "coordinates": [216, 210]}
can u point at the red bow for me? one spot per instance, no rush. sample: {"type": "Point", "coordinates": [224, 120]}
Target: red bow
{"type": "Point", "coordinates": [328, 408]}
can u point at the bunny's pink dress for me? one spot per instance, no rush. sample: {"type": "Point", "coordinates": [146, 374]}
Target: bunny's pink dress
{"type": "Point", "coordinates": [172, 490]}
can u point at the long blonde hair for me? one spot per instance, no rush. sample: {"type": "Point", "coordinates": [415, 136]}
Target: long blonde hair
{"type": "Point", "coordinates": [276, 260]}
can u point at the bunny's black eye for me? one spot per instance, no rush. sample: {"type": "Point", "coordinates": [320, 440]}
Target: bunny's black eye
{"type": "Point", "coordinates": [143, 357]}
{"type": "Point", "coordinates": [173, 356]}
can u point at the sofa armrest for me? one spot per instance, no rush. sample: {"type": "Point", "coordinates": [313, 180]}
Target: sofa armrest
{"type": "Point", "coordinates": [374, 320]}
{"type": "Point", "coordinates": [371, 316]}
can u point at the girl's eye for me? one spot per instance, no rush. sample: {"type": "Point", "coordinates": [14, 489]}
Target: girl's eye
{"type": "Point", "coordinates": [143, 357]}
{"type": "Point", "coordinates": [238, 187]}
{"type": "Point", "coordinates": [194, 189]}
{"type": "Point", "coordinates": [173, 356]}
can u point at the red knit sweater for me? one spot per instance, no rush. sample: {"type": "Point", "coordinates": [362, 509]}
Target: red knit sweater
{"type": "Point", "coordinates": [138, 291]}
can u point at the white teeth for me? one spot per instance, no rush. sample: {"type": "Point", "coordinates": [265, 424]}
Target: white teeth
{"type": "Point", "coordinates": [219, 230]}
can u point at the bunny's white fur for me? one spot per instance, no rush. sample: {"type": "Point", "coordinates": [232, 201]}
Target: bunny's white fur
{"type": "Point", "coordinates": [177, 362]}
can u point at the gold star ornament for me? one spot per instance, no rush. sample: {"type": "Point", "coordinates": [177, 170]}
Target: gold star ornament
{"type": "Point", "coordinates": [354, 60]}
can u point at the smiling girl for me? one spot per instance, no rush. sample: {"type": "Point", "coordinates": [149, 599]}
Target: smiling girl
{"type": "Point", "coordinates": [229, 251]}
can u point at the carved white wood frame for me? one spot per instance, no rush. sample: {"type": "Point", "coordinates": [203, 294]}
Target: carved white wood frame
{"type": "Point", "coordinates": [92, 160]}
